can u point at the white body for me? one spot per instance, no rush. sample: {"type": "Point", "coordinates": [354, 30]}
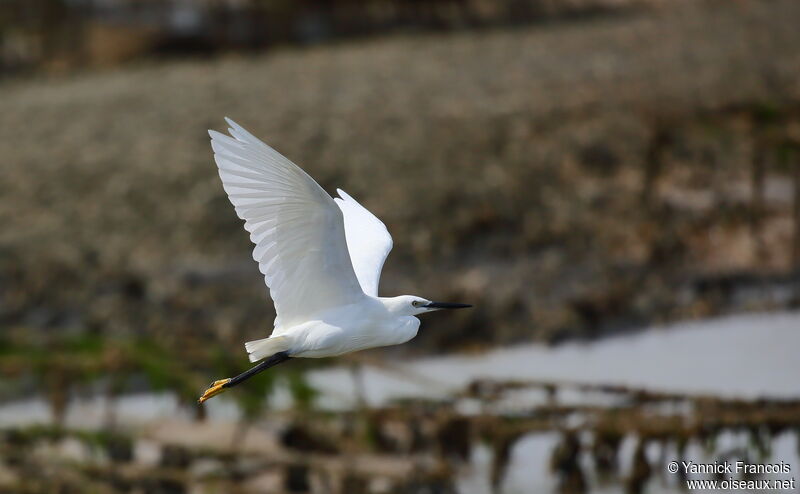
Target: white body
{"type": "Point", "coordinates": [321, 257]}
{"type": "Point", "coordinates": [365, 324]}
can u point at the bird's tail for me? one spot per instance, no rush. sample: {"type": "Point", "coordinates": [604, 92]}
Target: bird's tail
{"type": "Point", "coordinates": [259, 349]}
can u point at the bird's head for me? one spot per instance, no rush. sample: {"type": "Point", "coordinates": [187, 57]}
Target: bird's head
{"type": "Point", "coordinates": [411, 305]}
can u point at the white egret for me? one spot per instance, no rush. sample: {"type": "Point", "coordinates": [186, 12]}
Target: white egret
{"type": "Point", "coordinates": [321, 258]}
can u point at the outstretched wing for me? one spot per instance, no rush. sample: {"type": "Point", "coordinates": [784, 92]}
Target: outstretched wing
{"type": "Point", "coordinates": [298, 230]}
{"type": "Point", "coordinates": [368, 241]}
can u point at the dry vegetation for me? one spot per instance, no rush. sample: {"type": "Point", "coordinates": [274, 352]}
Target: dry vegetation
{"type": "Point", "coordinates": [514, 168]}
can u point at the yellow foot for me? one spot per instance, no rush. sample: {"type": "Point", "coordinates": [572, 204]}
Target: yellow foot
{"type": "Point", "coordinates": [215, 389]}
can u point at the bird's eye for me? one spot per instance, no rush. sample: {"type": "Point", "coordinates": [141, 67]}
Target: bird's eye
{"type": "Point", "coordinates": [416, 303]}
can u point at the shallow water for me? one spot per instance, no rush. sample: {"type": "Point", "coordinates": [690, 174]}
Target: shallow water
{"type": "Point", "coordinates": [747, 356]}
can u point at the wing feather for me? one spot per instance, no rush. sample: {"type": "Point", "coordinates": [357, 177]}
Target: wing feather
{"type": "Point", "coordinates": [298, 231]}
{"type": "Point", "coordinates": [368, 241]}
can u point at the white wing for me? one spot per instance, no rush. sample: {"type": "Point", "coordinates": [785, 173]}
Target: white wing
{"type": "Point", "coordinates": [296, 226]}
{"type": "Point", "coordinates": [368, 241]}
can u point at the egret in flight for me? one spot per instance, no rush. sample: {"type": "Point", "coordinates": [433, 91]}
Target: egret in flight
{"type": "Point", "coordinates": [321, 258]}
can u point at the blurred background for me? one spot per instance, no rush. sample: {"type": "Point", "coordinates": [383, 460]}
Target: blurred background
{"type": "Point", "coordinates": [614, 184]}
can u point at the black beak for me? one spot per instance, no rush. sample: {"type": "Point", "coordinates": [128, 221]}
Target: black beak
{"type": "Point", "coordinates": [446, 305]}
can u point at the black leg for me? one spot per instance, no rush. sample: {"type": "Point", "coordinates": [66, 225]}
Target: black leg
{"type": "Point", "coordinates": [264, 365]}
{"type": "Point", "coordinates": [218, 387]}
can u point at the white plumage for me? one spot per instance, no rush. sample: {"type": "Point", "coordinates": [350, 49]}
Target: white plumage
{"type": "Point", "coordinates": [296, 226]}
{"type": "Point", "coordinates": [321, 257]}
{"type": "Point", "coordinates": [368, 241]}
